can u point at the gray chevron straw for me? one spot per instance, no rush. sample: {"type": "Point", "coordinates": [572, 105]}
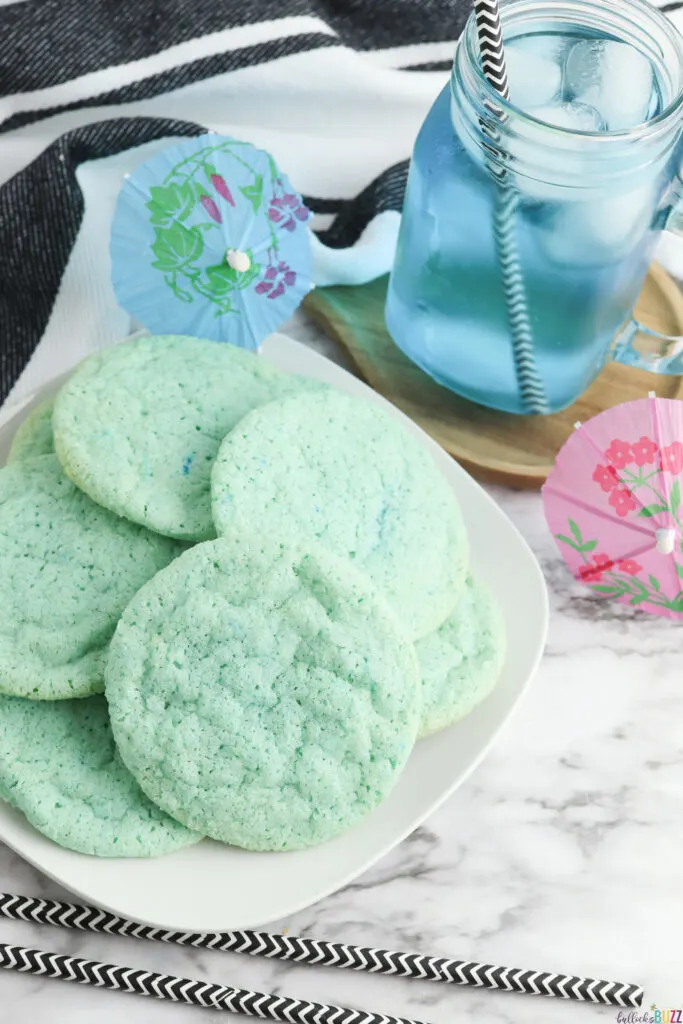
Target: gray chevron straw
{"type": "Point", "coordinates": [183, 990]}
{"type": "Point", "coordinates": [329, 954]}
{"type": "Point", "coordinates": [489, 31]}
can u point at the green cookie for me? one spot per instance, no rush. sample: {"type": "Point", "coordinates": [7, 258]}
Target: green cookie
{"type": "Point", "coordinates": [461, 661]}
{"type": "Point", "coordinates": [345, 473]}
{"type": "Point", "coordinates": [59, 767]}
{"type": "Point", "coordinates": [138, 425]}
{"type": "Point", "coordinates": [68, 568]}
{"type": "Point", "coordinates": [262, 696]}
{"type": "Point", "coordinates": [34, 436]}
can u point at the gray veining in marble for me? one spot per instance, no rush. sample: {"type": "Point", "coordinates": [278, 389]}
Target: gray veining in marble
{"type": "Point", "coordinates": [563, 851]}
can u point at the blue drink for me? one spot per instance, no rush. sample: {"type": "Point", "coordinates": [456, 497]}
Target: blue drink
{"type": "Point", "coordinates": [590, 146]}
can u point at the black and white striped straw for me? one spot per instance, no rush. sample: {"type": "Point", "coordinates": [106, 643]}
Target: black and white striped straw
{"type": "Point", "coordinates": [183, 990]}
{"type": "Point", "coordinates": [532, 391]}
{"type": "Point", "coordinates": [319, 953]}
{"type": "Point", "coordinates": [490, 33]}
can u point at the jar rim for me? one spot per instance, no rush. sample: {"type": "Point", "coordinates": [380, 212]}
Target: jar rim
{"type": "Point", "coordinates": [553, 10]}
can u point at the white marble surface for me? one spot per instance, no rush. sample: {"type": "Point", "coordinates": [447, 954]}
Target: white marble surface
{"type": "Point", "coordinates": [564, 850]}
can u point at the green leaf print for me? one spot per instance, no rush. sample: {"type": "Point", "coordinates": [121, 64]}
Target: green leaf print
{"type": "Point", "coordinates": [169, 202]}
{"type": "Point", "coordinates": [180, 293]}
{"type": "Point", "coordinates": [679, 570]}
{"type": "Point", "coordinates": [641, 592]}
{"type": "Point", "coordinates": [637, 593]}
{"type": "Point", "coordinates": [652, 510]}
{"type": "Point", "coordinates": [176, 246]}
{"type": "Point", "coordinates": [254, 193]}
{"type": "Point", "coordinates": [576, 531]}
{"type": "Point", "coordinates": [675, 496]}
{"type": "Point", "coordinates": [568, 540]}
{"type": "Point", "coordinates": [249, 276]}
{"type": "Point", "coordinates": [197, 189]}
{"type": "Point", "coordinates": [578, 543]}
{"type": "Point", "coordinates": [222, 279]}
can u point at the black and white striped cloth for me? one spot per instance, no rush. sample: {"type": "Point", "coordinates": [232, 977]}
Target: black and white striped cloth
{"type": "Point", "coordinates": [335, 89]}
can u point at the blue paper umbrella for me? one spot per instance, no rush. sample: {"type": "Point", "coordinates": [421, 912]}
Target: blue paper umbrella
{"type": "Point", "coordinates": [210, 239]}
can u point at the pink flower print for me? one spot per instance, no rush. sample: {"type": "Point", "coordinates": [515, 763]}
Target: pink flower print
{"type": "Point", "coordinates": [630, 566]}
{"type": "Point", "coordinates": [286, 210]}
{"type": "Point", "coordinates": [211, 208]}
{"type": "Point", "coordinates": [593, 571]}
{"type": "Point", "coordinates": [619, 454]}
{"type": "Point", "coordinates": [644, 451]}
{"type": "Point", "coordinates": [220, 184]}
{"type": "Point", "coordinates": [269, 287]}
{"type": "Point", "coordinates": [672, 458]}
{"type": "Point", "coordinates": [606, 476]}
{"type": "Point", "coordinates": [623, 501]}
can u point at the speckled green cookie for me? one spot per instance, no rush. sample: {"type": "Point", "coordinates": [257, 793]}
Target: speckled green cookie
{"type": "Point", "coordinates": [138, 426]}
{"type": "Point", "coordinates": [68, 568]}
{"type": "Point", "coordinates": [60, 767]}
{"type": "Point", "coordinates": [345, 473]}
{"type": "Point", "coordinates": [34, 436]}
{"type": "Point", "coordinates": [461, 661]}
{"type": "Point", "coordinates": [262, 696]}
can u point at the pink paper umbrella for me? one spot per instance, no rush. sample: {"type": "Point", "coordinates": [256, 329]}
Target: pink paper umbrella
{"type": "Point", "coordinates": [613, 504]}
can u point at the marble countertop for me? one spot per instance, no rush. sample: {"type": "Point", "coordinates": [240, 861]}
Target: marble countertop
{"type": "Point", "coordinates": [563, 851]}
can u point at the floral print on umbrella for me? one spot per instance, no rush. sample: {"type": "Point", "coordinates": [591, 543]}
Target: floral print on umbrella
{"type": "Point", "coordinates": [276, 280]}
{"type": "Point", "coordinates": [614, 504]}
{"type": "Point", "coordinates": [209, 238]}
{"type": "Point", "coordinates": [632, 473]}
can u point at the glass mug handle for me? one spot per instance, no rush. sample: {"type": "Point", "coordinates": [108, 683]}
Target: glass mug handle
{"type": "Point", "coordinates": [645, 347]}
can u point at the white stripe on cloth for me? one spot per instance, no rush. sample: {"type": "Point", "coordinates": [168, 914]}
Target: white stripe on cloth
{"type": "Point", "coordinates": [419, 53]}
{"type": "Point", "coordinates": [367, 106]}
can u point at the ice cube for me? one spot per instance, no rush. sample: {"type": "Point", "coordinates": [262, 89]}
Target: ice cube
{"type": "Point", "coordinates": [541, 157]}
{"type": "Point", "coordinates": [577, 117]}
{"type": "Point", "coordinates": [598, 231]}
{"type": "Point", "coordinates": [551, 47]}
{"type": "Point", "coordinates": [535, 80]}
{"type": "Point", "coordinates": [614, 78]}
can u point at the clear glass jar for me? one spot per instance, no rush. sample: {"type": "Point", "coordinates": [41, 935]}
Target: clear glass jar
{"type": "Point", "coordinates": [578, 215]}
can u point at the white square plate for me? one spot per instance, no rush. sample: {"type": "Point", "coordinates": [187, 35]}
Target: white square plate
{"type": "Point", "coordinates": [211, 887]}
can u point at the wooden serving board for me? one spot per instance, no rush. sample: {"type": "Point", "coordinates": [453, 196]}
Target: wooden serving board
{"type": "Point", "coordinates": [518, 451]}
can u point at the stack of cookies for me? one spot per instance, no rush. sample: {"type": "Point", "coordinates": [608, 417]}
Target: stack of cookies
{"type": "Point", "coordinates": [266, 579]}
